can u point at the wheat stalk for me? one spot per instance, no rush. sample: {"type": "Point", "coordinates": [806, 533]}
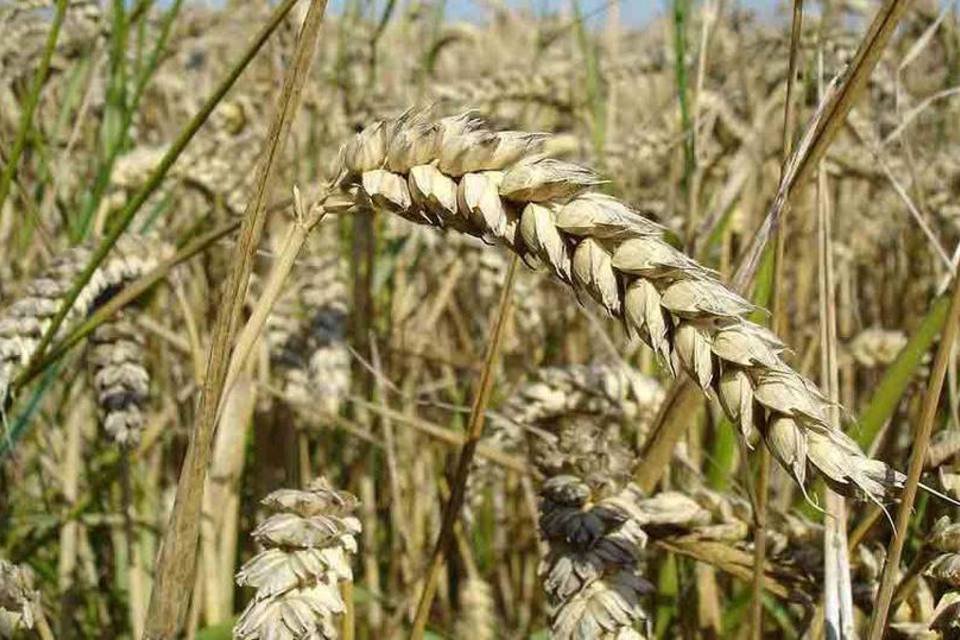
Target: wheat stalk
{"type": "Point", "coordinates": [308, 542]}
{"type": "Point", "coordinates": [453, 173]}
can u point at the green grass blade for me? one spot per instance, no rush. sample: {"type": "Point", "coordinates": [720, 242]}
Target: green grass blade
{"type": "Point", "coordinates": [33, 98]}
{"type": "Point", "coordinates": [898, 375]}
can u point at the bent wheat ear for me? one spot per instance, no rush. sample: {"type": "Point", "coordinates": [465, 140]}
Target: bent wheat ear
{"type": "Point", "coordinates": [24, 322]}
{"type": "Point", "coordinates": [308, 542]}
{"type": "Point", "coordinates": [548, 209]}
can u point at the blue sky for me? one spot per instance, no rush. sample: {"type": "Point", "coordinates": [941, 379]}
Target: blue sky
{"type": "Point", "coordinates": [634, 12]}
{"type": "Point", "coordinates": [631, 11]}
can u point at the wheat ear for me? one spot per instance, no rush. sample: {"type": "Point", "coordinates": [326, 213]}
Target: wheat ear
{"type": "Point", "coordinates": [591, 572]}
{"type": "Point", "coordinates": [603, 391]}
{"type": "Point", "coordinates": [308, 542]}
{"type": "Point", "coordinates": [454, 173]}
{"type": "Point", "coordinates": [121, 380]}
{"type": "Point", "coordinates": [24, 322]}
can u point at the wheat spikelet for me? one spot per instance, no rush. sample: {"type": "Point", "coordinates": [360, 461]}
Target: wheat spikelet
{"type": "Point", "coordinates": [120, 378]}
{"type": "Point", "coordinates": [24, 322]}
{"type": "Point", "coordinates": [945, 567]}
{"type": "Point", "coordinates": [876, 346]}
{"type": "Point", "coordinates": [308, 542]}
{"type": "Point", "coordinates": [455, 174]}
{"type": "Point", "coordinates": [590, 572]}
{"type": "Point", "coordinates": [17, 595]}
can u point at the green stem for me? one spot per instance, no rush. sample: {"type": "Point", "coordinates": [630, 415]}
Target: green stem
{"type": "Point", "coordinates": [899, 374]}
{"type": "Point", "coordinates": [115, 142]}
{"type": "Point", "coordinates": [680, 8]}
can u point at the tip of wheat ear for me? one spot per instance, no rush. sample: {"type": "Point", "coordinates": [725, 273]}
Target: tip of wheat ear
{"type": "Point", "coordinates": [549, 213]}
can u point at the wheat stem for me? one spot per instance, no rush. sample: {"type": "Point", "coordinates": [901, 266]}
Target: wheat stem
{"type": "Point", "coordinates": [465, 462]}
{"type": "Point", "coordinates": [918, 453]}
{"type": "Point", "coordinates": [293, 242]}
{"type": "Point", "coordinates": [176, 562]}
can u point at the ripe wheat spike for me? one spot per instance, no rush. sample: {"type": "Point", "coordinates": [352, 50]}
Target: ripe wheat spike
{"type": "Point", "coordinates": [307, 329]}
{"type": "Point", "coordinates": [24, 322]}
{"type": "Point", "coordinates": [307, 544]}
{"type": "Point", "coordinates": [591, 572]}
{"type": "Point", "coordinates": [454, 173]}
{"type": "Point", "coordinates": [121, 380]}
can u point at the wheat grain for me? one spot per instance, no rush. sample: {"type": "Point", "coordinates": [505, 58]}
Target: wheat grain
{"type": "Point", "coordinates": [453, 173]}
{"type": "Point", "coordinates": [308, 542]}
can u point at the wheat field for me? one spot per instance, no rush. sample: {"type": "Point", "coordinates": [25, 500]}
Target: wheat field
{"type": "Point", "coordinates": [368, 321]}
